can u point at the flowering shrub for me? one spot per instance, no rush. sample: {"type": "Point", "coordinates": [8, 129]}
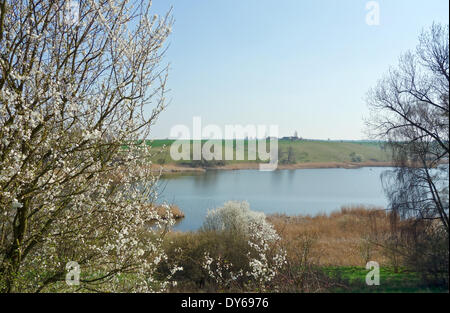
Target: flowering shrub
{"type": "Point", "coordinates": [234, 217]}
{"type": "Point", "coordinates": [221, 270]}
{"type": "Point", "coordinates": [266, 261]}
{"type": "Point", "coordinates": [72, 184]}
{"type": "Point", "coordinates": [264, 258]}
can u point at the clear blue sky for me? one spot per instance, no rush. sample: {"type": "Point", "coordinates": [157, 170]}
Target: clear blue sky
{"type": "Point", "coordinates": [304, 65]}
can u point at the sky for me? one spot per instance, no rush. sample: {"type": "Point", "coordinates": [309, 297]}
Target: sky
{"type": "Point", "coordinates": [304, 65]}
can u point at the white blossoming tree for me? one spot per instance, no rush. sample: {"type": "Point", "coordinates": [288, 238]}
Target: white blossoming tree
{"type": "Point", "coordinates": [75, 79]}
{"type": "Point", "coordinates": [264, 259]}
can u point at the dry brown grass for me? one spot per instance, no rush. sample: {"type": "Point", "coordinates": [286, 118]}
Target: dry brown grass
{"type": "Point", "coordinates": [343, 238]}
{"type": "Point", "coordinates": [162, 212]}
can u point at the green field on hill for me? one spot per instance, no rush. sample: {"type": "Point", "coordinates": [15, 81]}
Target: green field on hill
{"type": "Point", "coordinates": [289, 152]}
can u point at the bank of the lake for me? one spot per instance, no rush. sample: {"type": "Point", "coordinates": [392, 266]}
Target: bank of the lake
{"type": "Point", "coordinates": [174, 168]}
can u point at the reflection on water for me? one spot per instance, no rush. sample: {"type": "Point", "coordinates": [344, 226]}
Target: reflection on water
{"type": "Point", "coordinates": [306, 191]}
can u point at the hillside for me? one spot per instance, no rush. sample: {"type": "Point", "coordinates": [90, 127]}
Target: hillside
{"type": "Point", "coordinates": [291, 152]}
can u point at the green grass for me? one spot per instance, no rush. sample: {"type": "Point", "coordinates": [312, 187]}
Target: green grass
{"type": "Point", "coordinates": [332, 151]}
{"type": "Point", "coordinates": [305, 151]}
{"type": "Point", "coordinates": [353, 279]}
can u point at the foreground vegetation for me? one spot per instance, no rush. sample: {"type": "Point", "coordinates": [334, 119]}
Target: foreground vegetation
{"type": "Point", "coordinates": [324, 253]}
{"type": "Point", "coordinates": [239, 250]}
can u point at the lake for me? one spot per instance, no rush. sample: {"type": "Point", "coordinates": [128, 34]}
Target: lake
{"type": "Point", "coordinates": [300, 191]}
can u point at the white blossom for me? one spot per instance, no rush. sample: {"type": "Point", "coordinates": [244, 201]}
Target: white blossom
{"type": "Point", "coordinates": [70, 114]}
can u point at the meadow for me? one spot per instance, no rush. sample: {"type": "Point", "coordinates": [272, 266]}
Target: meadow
{"type": "Point", "coordinates": [319, 153]}
{"type": "Point", "coordinates": [324, 253]}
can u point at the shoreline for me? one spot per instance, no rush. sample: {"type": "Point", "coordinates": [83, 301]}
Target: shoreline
{"type": "Point", "coordinates": [176, 169]}
{"type": "Point", "coordinates": [309, 165]}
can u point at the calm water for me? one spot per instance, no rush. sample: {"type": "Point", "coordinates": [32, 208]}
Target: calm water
{"type": "Point", "coordinates": [305, 191]}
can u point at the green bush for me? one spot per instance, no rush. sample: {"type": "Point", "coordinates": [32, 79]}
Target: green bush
{"type": "Point", "coordinates": [429, 255]}
{"type": "Point", "coordinates": [356, 157]}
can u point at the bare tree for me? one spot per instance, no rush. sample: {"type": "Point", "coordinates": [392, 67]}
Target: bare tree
{"type": "Point", "coordinates": [410, 109]}
{"type": "Point", "coordinates": [74, 86]}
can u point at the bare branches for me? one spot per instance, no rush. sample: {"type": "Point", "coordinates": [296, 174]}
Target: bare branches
{"type": "Point", "coordinates": [410, 109]}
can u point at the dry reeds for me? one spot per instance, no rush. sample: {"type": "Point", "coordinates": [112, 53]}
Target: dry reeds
{"type": "Point", "coordinates": [162, 211]}
{"type": "Point", "coordinates": [344, 238]}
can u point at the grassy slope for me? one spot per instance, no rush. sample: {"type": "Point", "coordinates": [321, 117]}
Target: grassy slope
{"type": "Point", "coordinates": [332, 151]}
{"type": "Point", "coordinates": [354, 277]}
{"type": "Point", "coordinates": [305, 151]}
